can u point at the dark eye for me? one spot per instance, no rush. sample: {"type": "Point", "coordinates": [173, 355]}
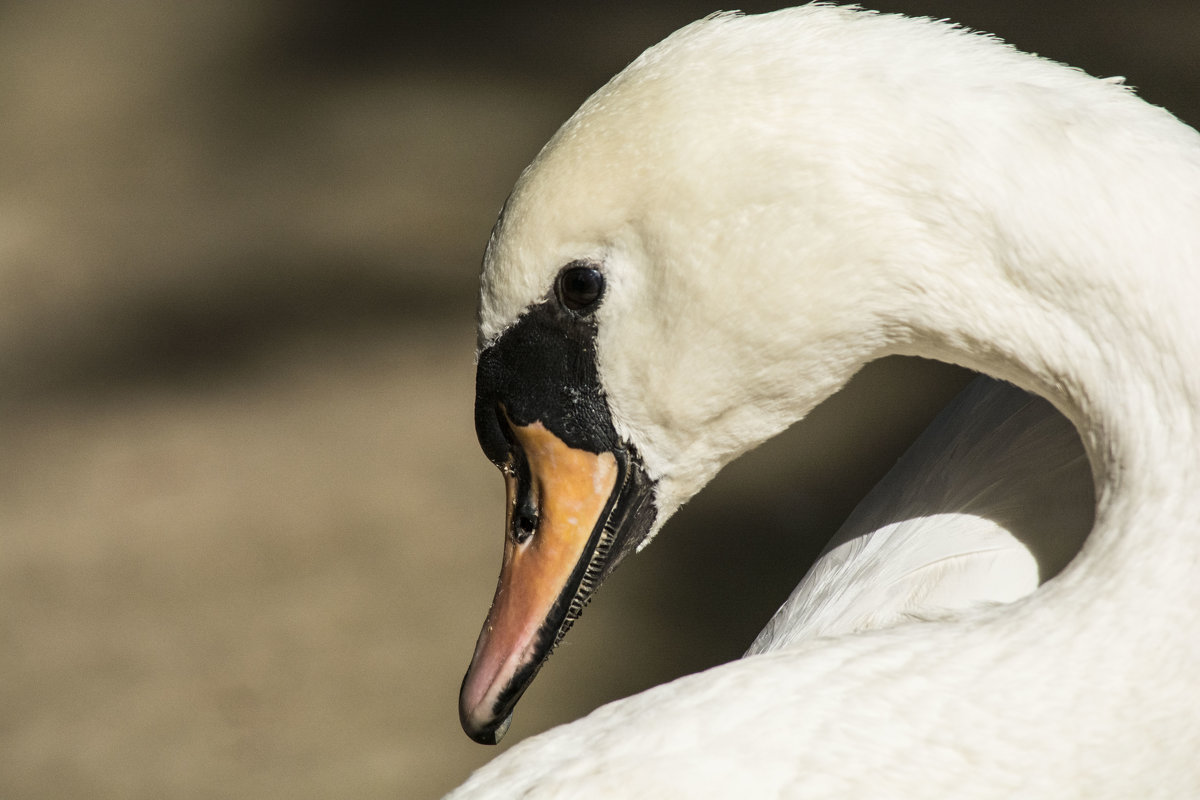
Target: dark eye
{"type": "Point", "coordinates": [580, 286]}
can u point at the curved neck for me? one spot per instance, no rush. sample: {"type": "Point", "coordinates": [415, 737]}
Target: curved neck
{"type": "Point", "coordinates": [1075, 275]}
{"type": "Point", "coordinates": [1120, 364]}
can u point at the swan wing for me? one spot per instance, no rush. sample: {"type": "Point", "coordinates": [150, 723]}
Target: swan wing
{"type": "Point", "coordinates": [987, 504]}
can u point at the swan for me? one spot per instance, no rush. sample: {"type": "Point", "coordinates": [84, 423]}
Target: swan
{"type": "Point", "coordinates": [715, 242]}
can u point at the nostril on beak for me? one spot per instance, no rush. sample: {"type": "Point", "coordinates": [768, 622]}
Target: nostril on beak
{"type": "Point", "coordinates": [524, 524]}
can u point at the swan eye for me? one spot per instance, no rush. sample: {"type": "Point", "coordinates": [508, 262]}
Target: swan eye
{"type": "Point", "coordinates": [580, 286]}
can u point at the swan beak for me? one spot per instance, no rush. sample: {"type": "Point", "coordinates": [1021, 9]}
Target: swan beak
{"type": "Point", "coordinates": [561, 524]}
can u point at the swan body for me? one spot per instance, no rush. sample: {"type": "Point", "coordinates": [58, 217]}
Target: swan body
{"type": "Point", "coordinates": [714, 243]}
{"type": "Point", "coordinates": [991, 501]}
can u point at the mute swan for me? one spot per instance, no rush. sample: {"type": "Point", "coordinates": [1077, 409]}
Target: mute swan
{"type": "Point", "coordinates": [714, 243]}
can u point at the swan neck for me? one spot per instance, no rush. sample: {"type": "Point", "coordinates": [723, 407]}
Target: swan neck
{"type": "Point", "coordinates": [1121, 375]}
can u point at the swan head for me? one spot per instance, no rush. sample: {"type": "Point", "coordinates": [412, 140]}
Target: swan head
{"type": "Point", "coordinates": [714, 243]}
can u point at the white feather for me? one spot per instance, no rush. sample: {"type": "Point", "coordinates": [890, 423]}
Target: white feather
{"type": "Point", "coordinates": [990, 502]}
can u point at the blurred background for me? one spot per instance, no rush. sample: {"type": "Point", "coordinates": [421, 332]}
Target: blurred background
{"type": "Point", "coordinates": [246, 536]}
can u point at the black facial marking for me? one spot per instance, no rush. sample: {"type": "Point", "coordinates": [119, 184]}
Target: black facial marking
{"type": "Point", "coordinates": [493, 434]}
{"type": "Point", "coordinates": [543, 369]}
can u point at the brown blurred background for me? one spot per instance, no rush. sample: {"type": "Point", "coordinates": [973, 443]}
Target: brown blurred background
{"type": "Point", "coordinates": [246, 538]}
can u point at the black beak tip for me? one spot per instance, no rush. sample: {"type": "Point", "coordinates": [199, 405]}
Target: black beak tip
{"type": "Point", "coordinates": [489, 734]}
{"type": "Point", "coordinates": [489, 731]}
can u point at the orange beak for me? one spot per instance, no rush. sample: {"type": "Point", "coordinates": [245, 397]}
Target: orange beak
{"type": "Point", "coordinates": [558, 499]}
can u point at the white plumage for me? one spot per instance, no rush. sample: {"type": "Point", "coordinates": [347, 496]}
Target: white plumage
{"type": "Point", "coordinates": [991, 501]}
{"type": "Point", "coordinates": [776, 200]}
